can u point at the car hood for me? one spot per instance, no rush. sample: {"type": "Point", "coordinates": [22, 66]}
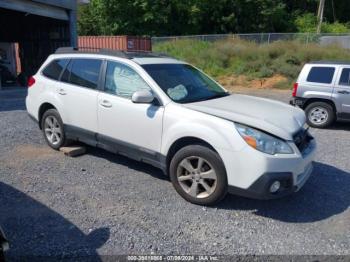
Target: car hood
{"type": "Point", "coordinates": [272, 116]}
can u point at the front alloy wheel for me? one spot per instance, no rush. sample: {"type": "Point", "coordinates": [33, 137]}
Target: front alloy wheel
{"type": "Point", "coordinates": [198, 175]}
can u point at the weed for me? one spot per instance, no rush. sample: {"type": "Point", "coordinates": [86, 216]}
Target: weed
{"type": "Point", "coordinates": [240, 57]}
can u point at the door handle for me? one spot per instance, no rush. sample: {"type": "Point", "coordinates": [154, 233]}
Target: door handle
{"type": "Point", "coordinates": [105, 103]}
{"type": "Point", "coordinates": [344, 92]}
{"type": "Point", "coordinates": [62, 91]}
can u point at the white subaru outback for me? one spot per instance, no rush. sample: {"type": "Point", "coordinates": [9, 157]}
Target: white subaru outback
{"type": "Point", "coordinates": [169, 114]}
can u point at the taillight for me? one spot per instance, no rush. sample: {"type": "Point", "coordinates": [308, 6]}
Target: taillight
{"type": "Point", "coordinates": [31, 81]}
{"type": "Point", "coordinates": [295, 89]}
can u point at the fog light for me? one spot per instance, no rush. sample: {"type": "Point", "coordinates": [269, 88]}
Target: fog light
{"type": "Point", "coordinates": [275, 186]}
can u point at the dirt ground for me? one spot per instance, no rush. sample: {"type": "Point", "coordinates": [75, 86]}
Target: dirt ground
{"type": "Point", "coordinates": [277, 82]}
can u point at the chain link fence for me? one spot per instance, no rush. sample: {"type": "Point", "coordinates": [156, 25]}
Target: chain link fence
{"type": "Point", "coordinates": [342, 40]}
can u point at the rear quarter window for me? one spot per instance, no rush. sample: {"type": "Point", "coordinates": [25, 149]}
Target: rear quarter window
{"type": "Point", "coordinates": [322, 75]}
{"type": "Point", "coordinates": [53, 70]}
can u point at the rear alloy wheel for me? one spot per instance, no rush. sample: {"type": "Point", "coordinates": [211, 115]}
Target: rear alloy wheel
{"type": "Point", "coordinates": [319, 114]}
{"type": "Point", "coordinates": [52, 127]}
{"type": "Point", "coordinates": [198, 175]}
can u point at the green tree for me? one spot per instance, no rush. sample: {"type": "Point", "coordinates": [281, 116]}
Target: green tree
{"type": "Point", "coordinates": [90, 18]}
{"type": "Point", "coordinates": [183, 17]}
{"type": "Point", "coordinates": [138, 17]}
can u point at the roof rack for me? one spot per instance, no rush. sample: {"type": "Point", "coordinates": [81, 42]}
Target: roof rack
{"type": "Point", "coordinates": [112, 52]}
{"type": "Point", "coordinates": [64, 50]}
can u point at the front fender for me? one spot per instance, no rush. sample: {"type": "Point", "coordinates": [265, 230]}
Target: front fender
{"type": "Point", "coordinates": [217, 132]}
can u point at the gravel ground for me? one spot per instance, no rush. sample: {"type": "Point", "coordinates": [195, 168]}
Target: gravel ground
{"type": "Point", "coordinates": [104, 204]}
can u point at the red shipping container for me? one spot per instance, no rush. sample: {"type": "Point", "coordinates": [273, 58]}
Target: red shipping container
{"type": "Point", "coordinates": [124, 43]}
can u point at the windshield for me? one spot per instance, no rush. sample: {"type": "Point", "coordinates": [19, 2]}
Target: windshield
{"type": "Point", "coordinates": [184, 83]}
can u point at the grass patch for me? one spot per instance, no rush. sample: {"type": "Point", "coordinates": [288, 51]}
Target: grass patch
{"type": "Point", "coordinates": [238, 57]}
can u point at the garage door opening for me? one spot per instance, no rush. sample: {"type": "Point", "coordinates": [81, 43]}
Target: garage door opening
{"type": "Point", "coordinates": [31, 31]}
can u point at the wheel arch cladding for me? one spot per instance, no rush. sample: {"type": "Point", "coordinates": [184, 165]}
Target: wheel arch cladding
{"type": "Point", "coordinates": [313, 100]}
{"type": "Point", "coordinates": [183, 142]}
{"type": "Point", "coordinates": [43, 108]}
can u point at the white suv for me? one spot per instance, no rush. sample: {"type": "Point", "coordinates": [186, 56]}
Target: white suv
{"type": "Point", "coordinates": [169, 114]}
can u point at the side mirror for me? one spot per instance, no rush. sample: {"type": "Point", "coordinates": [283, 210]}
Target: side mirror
{"type": "Point", "coordinates": [142, 97]}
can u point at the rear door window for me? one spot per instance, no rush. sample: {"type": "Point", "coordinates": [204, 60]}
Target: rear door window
{"type": "Point", "coordinates": [54, 69]}
{"type": "Point", "coordinates": [83, 72]}
{"type": "Point", "coordinates": [345, 77]}
{"type": "Point", "coordinates": [322, 75]}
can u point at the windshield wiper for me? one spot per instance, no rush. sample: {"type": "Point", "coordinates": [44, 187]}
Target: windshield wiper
{"type": "Point", "coordinates": [206, 98]}
{"type": "Point", "coordinates": [219, 95]}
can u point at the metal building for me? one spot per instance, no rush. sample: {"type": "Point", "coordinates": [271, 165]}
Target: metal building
{"type": "Point", "coordinates": [39, 27]}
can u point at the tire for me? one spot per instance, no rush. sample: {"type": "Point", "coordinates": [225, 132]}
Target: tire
{"type": "Point", "coordinates": [51, 120]}
{"type": "Point", "coordinates": [320, 114]}
{"type": "Point", "coordinates": [198, 186]}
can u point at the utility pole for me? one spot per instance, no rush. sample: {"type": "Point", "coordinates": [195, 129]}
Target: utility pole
{"type": "Point", "coordinates": [333, 9]}
{"type": "Point", "coordinates": [320, 15]}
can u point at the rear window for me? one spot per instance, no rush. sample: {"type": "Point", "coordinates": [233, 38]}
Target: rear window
{"type": "Point", "coordinates": [54, 69]}
{"type": "Point", "coordinates": [83, 72]}
{"type": "Point", "coordinates": [323, 75]}
{"type": "Point", "coordinates": [345, 77]}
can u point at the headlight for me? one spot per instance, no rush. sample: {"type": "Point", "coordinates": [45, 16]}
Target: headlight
{"type": "Point", "coordinates": [262, 141]}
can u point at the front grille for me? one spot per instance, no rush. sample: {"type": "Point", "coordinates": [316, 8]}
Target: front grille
{"type": "Point", "coordinates": [302, 139]}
